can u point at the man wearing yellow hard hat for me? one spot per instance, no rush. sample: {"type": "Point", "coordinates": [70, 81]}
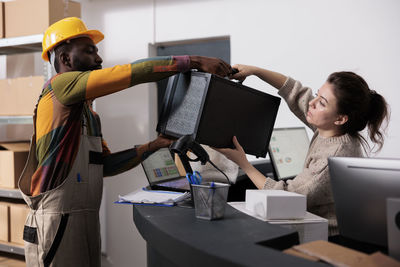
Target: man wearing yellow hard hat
{"type": "Point", "coordinates": [62, 182]}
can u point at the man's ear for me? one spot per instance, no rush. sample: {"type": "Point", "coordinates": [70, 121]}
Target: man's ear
{"type": "Point", "coordinates": [65, 59]}
{"type": "Point", "coordinates": [341, 119]}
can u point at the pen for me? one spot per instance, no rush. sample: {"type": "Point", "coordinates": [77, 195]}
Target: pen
{"type": "Point", "coordinates": [212, 188]}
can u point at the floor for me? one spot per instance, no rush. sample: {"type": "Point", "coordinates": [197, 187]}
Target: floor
{"type": "Point", "coordinates": [105, 262]}
{"type": "Point", "coordinates": [10, 260]}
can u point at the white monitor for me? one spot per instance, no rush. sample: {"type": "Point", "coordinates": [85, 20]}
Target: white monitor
{"type": "Point", "coordinates": [360, 187]}
{"type": "Point", "coordinates": [288, 149]}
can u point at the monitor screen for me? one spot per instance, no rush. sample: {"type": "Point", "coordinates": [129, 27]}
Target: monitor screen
{"type": "Point", "coordinates": [360, 187]}
{"type": "Point", "coordinates": [288, 150]}
{"type": "Point", "coordinates": [160, 166]}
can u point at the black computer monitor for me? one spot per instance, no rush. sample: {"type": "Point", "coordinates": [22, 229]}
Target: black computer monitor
{"type": "Point", "coordinates": [287, 150]}
{"type": "Point", "coordinates": [360, 188]}
{"type": "Point", "coordinates": [213, 110]}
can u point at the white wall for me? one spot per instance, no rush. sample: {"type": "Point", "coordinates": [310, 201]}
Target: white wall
{"type": "Point", "coordinates": [125, 116]}
{"type": "Point", "coordinates": [306, 39]}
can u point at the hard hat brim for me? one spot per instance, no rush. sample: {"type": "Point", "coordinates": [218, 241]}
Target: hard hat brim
{"type": "Point", "coordinates": [95, 35]}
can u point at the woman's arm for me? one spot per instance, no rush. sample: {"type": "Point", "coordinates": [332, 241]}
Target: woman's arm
{"type": "Point", "coordinates": [293, 92]}
{"type": "Point", "coordinates": [273, 78]}
{"type": "Point", "coordinates": [238, 156]}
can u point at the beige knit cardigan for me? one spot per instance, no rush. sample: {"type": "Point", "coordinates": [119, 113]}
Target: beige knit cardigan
{"type": "Point", "coordinates": [314, 180]}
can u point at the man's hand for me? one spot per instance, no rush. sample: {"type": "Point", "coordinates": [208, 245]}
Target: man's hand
{"type": "Point", "coordinates": [160, 142]}
{"type": "Point", "coordinates": [211, 65]}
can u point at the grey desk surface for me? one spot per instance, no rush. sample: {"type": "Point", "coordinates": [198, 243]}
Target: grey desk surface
{"type": "Point", "coordinates": [179, 237]}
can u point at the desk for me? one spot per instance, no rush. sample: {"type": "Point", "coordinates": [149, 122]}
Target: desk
{"type": "Point", "coordinates": [176, 238]}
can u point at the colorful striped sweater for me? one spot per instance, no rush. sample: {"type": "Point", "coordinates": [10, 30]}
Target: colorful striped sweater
{"type": "Point", "coordinates": [65, 102]}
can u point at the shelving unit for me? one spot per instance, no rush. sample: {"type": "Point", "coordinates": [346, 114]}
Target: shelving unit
{"type": "Point", "coordinates": [15, 119]}
{"type": "Point", "coordinates": [12, 46]}
{"type": "Point", "coordinates": [12, 248]}
{"type": "Point", "coordinates": [19, 45]}
{"type": "Point", "coordinates": [10, 193]}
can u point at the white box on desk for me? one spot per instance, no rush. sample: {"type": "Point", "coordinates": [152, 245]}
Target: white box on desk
{"type": "Point", "coordinates": [276, 204]}
{"type": "Point", "coordinates": [311, 228]}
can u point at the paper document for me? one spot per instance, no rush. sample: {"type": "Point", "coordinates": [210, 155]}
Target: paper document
{"type": "Point", "coordinates": [310, 218]}
{"type": "Point", "coordinates": [142, 196]}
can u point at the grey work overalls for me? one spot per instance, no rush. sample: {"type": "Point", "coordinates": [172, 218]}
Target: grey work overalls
{"type": "Point", "coordinates": [62, 227]}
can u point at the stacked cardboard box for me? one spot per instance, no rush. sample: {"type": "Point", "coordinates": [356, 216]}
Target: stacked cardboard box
{"type": "Point", "coordinates": [19, 96]}
{"type": "Point", "coordinates": [20, 20]}
{"type": "Point", "coordinates": [1, 19]}
{"type": "Point", "coordinates": [12, 220]}
{"type": "Point", "coordinates": [12, 161]}
{"type": "Point", "coordinates": [4, 222]}
{"type": "Point", "coordinates": [14, 261]}
{"type": "Point", "coordinates": [18, 214]}
{"type": "Point", "coordinates": [16, 132]}
{"type": "Point", "coordinates": [337, 255]}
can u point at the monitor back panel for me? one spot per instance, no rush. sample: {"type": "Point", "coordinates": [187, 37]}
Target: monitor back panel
{"type": "Point", "coordinates": [183, 104]}
{"type": "Point", "coordinates": [232, 109]}
{"type": "Point", "coordinates": [214, 110]}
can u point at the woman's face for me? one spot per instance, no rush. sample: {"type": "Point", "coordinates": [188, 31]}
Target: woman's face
{"type": "Point", "coordinates": [322, 110]}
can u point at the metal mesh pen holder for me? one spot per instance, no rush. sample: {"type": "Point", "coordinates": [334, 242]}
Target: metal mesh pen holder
{"type": "Point", "coordinates": [210, 200]}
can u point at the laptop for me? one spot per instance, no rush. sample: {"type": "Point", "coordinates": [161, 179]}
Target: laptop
{"type": "Point", "coordinates": [162, 172]}
{"type": "Point", "coordinates": [287, 150]}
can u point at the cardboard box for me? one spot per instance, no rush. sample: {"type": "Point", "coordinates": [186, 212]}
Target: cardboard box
{"type": "Point", "coordinates": [276, 204]}
{"type": "Point", "coordinates": [13, 157]}
{"type": "Point", "coordinates": [337, 255]}
{"type": "Point", "coordinates": [15, 132]}
{"type": "Point", "coordinates": [4, 222]}
{"type": "Point", "coordinates": [12, 261]}
{"type": "Point", "coordinates": [18, 214]}
{"type": "Point", "coordinates": [1, 19]}
{"type": "Point", "coordinates": [21, 21]}
{"type": "Point", "coordinates": [19, 96]}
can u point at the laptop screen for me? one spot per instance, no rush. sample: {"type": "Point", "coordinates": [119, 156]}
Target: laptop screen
{"type": "Point", "coordinates": [160, 167]}
{"type": "Point", "coordinates": [288, 150]}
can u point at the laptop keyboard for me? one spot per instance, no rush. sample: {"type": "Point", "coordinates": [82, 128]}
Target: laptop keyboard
{"type": "Point", "coordinates": [180, 183]}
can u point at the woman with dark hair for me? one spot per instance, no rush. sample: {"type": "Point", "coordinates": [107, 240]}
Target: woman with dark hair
{"type": "Point", "coordinates": [343, 107]}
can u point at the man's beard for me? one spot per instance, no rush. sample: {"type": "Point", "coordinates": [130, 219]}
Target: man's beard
{"type": "Point", "coordinates": [82, 66]}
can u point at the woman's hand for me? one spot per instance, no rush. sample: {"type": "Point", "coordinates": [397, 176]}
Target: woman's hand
{"type": "Point", "coordinates": [237, 154]}
{"type": "Point", "coordinates": [242, 72]}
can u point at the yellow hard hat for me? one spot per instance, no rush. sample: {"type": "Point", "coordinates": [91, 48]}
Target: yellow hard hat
{"type": "Point", "coordinates": [65, 29]}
